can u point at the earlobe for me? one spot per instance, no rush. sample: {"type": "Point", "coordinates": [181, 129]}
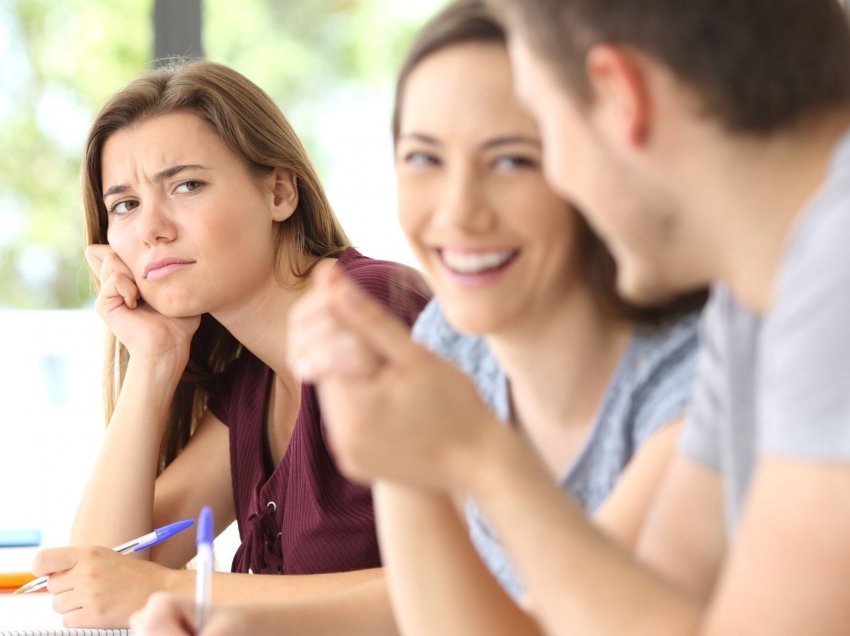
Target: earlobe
{"type": "Point", "coordinates": [284, 194]}
{"type": "Point", "coordinates": [620, 90]}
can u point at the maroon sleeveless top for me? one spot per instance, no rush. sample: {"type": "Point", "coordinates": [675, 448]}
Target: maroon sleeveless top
{"type": "Point", "coordinates": [304, 517]}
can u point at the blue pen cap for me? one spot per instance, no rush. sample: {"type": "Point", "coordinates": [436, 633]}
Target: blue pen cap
{"type": "Point", "coordinates": [206, 528]}
{"type": "Point", "coordinates": [166, 532]}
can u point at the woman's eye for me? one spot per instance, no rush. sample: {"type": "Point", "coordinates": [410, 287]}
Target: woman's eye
{"type": "Point", "coordinates": [513, 162]}
{"type": "Point", "coordinates": [126, 206]}
{"type": "Point", "coordinates": [186, 187]}
{"type": "Point", "coordinates": [419, 158]}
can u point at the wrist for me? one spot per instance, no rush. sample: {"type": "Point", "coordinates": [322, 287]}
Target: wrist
{"type": "Point", "coordinates": [475, 461]}
{"type": "Point", "coordinates": [146, 394]}
{"type": "Point", "coordinates": [162, 370]}
{"type": "Point", "coordinates": [499, 455]}
{"type": "Point", "coordinates": [180, 582]}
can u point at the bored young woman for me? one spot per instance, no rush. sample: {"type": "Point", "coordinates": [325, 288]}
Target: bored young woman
{"type": "Point", "coordinates": [205, 220]}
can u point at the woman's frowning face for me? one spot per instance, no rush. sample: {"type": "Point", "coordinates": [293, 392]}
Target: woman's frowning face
{"type": "Point", "coordinates": [185, 214]}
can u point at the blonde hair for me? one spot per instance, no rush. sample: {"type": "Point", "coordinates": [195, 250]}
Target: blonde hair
{"type": "Point", "coordinates": [253, 127]}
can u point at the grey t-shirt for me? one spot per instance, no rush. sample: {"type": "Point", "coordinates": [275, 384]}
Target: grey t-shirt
{"type": "Point", "coordinates": [779, 384]}
{"type": "Point", "coordinates": [650, 388]}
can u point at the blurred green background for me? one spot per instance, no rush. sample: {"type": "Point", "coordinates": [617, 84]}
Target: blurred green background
{"type": "Point", "coordinates": [60, 60]}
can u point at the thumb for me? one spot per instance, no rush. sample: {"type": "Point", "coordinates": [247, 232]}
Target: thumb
{"type": "Point", "coordinates": [53, 560]}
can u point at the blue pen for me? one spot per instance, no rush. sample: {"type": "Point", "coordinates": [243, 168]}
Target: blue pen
{"type": "Point", "coordinates": [203, 580]}
{"type": "Point", "coordinates": [136, 545]}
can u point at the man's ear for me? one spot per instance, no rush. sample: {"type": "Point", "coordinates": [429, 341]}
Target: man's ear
{"type": "Point", "coordinates": [620, 92]}
{"type": "Point", "coordinates": [284, 193]}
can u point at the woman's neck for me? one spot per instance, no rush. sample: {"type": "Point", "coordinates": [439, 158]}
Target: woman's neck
{"type": "Point", "coordinates": [260, 318]}
{"type": "Point", "coordinates": [558, 370]}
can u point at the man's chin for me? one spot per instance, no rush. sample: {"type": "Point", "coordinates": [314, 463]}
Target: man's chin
{"type": "Point", "coordinates": [646, 291]}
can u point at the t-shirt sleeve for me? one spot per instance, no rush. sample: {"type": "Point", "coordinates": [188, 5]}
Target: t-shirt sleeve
{"type": "Point", "coordinates": [804, 397]}
{"type": "Point", "coordinates": [667, 390]}
{"type": "Point", "coordinates": [221, 393]}
{"type": "Point", "coordinates": [401, 289]}
{"type": "Point", "coordinates": [700, 438]}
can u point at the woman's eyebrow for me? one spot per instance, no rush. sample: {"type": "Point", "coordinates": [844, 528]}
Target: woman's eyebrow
{"type": "Point", "coordinates": [505, 140]}
{"type": "Point", "coordinates": [417, 136]}
{"type": "Point", "coordinates": [159, 176]}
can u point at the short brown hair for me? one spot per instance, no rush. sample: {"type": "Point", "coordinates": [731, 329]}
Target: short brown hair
{"type": "Point", "coordinates": [471, 21]}
{"type": "Point", "coordinates": [757, 65]}
{"type": "Point", "coordinates": [251, 125]}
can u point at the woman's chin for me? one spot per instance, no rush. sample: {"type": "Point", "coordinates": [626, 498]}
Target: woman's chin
{"type": "Point", "coordinates": [175, 308]}
{"type": "Point", "coordinates": [472, 323]}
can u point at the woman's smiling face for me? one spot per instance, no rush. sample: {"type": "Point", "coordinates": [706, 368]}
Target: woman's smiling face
{"type": "Point", "coordinates": [194, 226]}
{"type": "Point", "coordinates": [497, 245]}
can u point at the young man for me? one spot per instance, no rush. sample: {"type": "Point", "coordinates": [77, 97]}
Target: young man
{"type": "Point", "coordinates": [707, 142]}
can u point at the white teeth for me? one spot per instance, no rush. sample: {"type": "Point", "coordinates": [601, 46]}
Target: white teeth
{"type": "Point", "coordinates": [475, 262]}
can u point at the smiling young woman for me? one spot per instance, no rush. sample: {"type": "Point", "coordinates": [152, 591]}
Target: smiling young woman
{"type": "Point", "coordinates": [205, 220]}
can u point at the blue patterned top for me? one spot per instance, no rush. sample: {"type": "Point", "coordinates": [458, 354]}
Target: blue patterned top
{"type": "Point", "coordinates": [650, 388]}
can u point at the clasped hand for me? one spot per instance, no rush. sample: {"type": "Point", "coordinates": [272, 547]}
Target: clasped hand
{"type": "Point", "coordinates": [394, 410]}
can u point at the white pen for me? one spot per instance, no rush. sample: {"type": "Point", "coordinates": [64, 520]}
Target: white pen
{"type": "Point", "coordinates": [204, 565]}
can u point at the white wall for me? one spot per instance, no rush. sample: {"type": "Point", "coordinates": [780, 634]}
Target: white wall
{"type": "Point", "coordinates": [50, 415]}
{"type": "Point", "coordinates": [51, 420]}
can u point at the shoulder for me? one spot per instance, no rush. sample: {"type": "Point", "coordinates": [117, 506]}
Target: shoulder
{"type": "Point", "coordinates": [244, 376]}
{"type": "Point", "coordinates": [812, 307]}
{"type": "Point", "coordinates": [804, 349]}
{"type": "Point", "coordinates": [816, 261]}
{"type": "Point", "coordinates": [398, 287]}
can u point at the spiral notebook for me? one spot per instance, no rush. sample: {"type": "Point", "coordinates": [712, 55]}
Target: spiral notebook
{"type": "Point", "coordinates": [67, 632]}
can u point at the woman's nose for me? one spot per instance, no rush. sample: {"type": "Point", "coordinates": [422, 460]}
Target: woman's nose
{"type": "Point", "coordinates": [464, 202]}
{"type": "Point", "coordinates": [156, 224]}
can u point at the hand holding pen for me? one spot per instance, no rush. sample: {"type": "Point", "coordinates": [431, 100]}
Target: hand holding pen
{"type": "Point", "coordinates": [136, 545]}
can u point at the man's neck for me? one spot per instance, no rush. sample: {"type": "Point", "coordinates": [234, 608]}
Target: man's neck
{"type": "Point", "coordinates": [760, 191]}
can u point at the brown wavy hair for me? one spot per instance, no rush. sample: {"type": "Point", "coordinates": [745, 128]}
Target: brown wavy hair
{"type": "Point", "coordinates": [471, 21]}
{"type": "Point", "coordinates": [252, 126]}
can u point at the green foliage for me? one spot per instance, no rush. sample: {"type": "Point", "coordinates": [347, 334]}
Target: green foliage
{"type": "Point", "coordinates": [308, 55]}
{"type": "Point", "coordinates": [61, 60]}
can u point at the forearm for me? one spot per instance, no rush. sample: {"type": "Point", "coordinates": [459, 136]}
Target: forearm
{"type": "Point", "coordinates": [444, 589]}
{"type": "Point", "coordinates": [235, 588]}
{"type": "Point", "coordinates": [124, 475]}
{"type": "Point", "coordinates": [342, 607]}
{"type": "Point", "coordinates": [578, 580]}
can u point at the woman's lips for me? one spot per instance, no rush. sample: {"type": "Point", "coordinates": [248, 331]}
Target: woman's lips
{"type": "Point", "coordinates": [157, 270]}
{"type": "Point", "coordinates": [476, 268]}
